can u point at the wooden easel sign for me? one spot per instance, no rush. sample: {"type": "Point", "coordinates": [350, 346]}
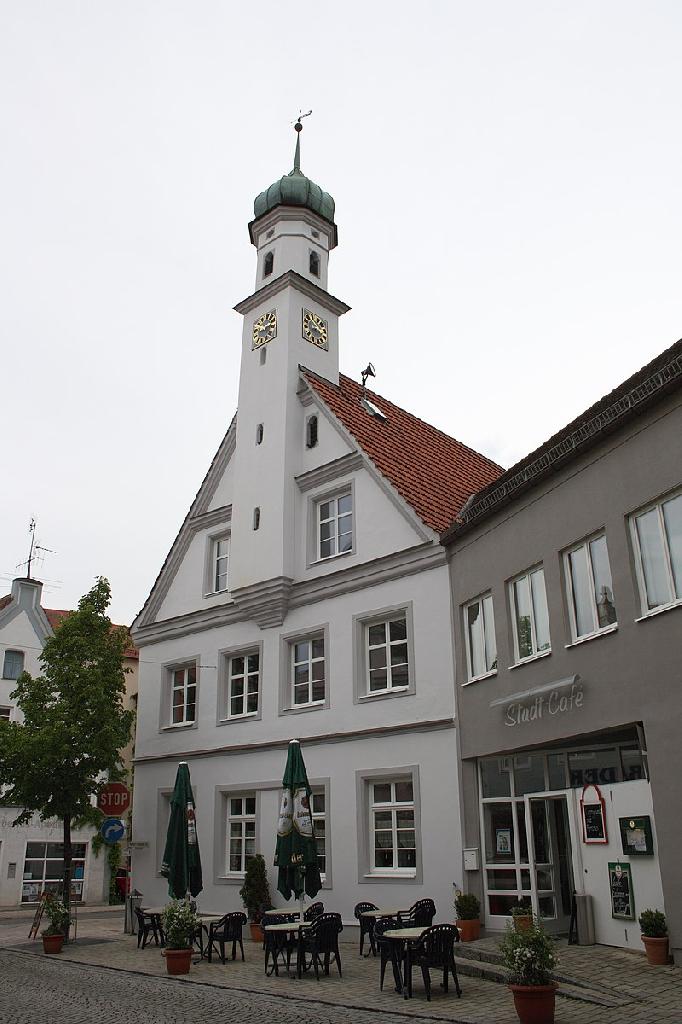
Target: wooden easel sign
{"type": "Point", "coordinates": [593, 814]}
{"type": "Point", "coordinates": [38, 916]}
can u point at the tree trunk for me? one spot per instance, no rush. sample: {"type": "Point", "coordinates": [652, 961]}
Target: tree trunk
{"type": "Point", "coordinates": [67, 869]}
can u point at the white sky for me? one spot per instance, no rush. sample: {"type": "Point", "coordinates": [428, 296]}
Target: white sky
{"type": "Point", "coordinates": [507, 180]}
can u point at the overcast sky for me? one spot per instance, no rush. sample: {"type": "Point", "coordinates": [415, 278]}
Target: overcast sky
{"type": "Point", "coordinates": [507, 184]}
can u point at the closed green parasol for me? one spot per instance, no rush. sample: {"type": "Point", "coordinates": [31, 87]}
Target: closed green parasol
{"type": "Point", "coordinates": [181, 861]}
{"type": "Point", "coordinates": [296, 852]}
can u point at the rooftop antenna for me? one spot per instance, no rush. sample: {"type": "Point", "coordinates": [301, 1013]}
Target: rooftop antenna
{"type": "Point", "coordinates": [33, 549]}
{"type": "Point", "coordinates": [369, 371]}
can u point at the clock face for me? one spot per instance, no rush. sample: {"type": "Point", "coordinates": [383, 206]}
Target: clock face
{"type": "Point", "coordinates": [264, 329]}
{"type": "Point", "coordinates": [315, 329]}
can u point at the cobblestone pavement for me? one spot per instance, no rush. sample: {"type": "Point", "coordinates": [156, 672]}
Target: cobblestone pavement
{"type": "Point", "coordinates": [103, 977]}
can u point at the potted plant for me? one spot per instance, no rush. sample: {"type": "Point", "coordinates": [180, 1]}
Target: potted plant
{"type": "Point", "coordinates": [530, 959]}
{"type": "Point", "coordinates": [180, 923]}
{"type": "Point", "coordinates": [255, 894]}
{"type": "Point", "coordinates": [654, 936]}
{"type": "Point", "coordinates": [468, 909]}
{"type": "Point", "coordinates": [55, 933]}
{"type": "Point", "coordinates": [522, 914]}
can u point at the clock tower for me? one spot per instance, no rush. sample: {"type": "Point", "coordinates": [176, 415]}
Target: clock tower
{"type": "Point", "coordinates": [290, 320]}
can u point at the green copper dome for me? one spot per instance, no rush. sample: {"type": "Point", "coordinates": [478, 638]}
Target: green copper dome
{"type": "Point", "coordinates": [294, 189]}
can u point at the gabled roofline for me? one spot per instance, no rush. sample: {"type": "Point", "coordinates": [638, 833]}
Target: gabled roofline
{"type": "Point", "coordinates": [291, 278]}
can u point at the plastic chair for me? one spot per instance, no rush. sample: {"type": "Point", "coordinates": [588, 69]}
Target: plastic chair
{"type": "Point", "coordinates": [321, 940]}
{"type": "Point", "coordinates": [313, 911]}
{"type": "Point", "coordinates": [420, 915]}
{"type": "Point", "coordinates": [388, 951]}
{"type": "Point", "coordinates": [366, 924]}
{"type": "Point", "coordinates": [227, 929]}
{"type": "Point", "coordinates": [278, 944]}
{"type": "Point", "coordinates": [148, 924]}
{"type": "Point", "coordinates": [435, 949]}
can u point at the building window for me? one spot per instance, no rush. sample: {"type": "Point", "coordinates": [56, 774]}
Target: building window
{"type": "Point", "coordinates": [335, 526]}
{"type": "Point", "coordinates": [480, 637]}
{"type": "Point", "coordinates": [220, 564]}
{"type": "Point", "coordinates": [590, 591]}
{"type": "Point", "coordinates": [393, 847]}
{"type": "Point", "coordinates": [259, 434]}
{"type": "Point", "coordinates": [311, 432]}
{"type": "Point", "coordinates": [44, 870]}
{"type": "Point", "coordinates": [183, 695]}
{"type": "Point", "coordinates": [243, 683]}
{"type": "Point", "coordinates": [241, 832]}
{"type": "Point", "coordinates": [256, 518]}
{"type": "Point", "coordinates": [314, 264]}
{"type": "Point", "coordinates": [658, 547]}
{"type": "Point", "coordinates": [13, 664]}
{"type": "Point", "coordinates": [307, 672]}
{"type": "Point", "coordinates": [387, 655]}
{"type": "Point", "coordinates": [318, 806]}
{"type": "Point", "coordinates": [268, 264]}
{"type": "Point", "coordinates": [529, 614]}
{"type": "Point", "coordinates": [5, 713]}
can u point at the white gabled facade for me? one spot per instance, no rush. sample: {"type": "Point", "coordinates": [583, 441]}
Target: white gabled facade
{"type": "Point", "coordinates": [320, 550]}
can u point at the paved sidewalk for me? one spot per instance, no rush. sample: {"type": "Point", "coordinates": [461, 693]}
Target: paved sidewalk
{"type": "Point", "coordinates": [599, 985]}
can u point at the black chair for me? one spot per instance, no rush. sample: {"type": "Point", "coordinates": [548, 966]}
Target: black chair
{"type": "Point", "coordinates": [148, 924]}
{"type": "Point", "coordinates": [313, 911]}
{"type": "Point", "coordinates": [227, 929]}
{"type": "Point", "coordinates": [321, 941]}
{"type": "Point", "coordinates": [278, 944]}
{"type": "Point", "coordinates": [389, 952]}
{"type": "Point", "coordinates": [420, 915]}
{"type": "Point", "coordinates": [435, 949]}
{"type": "Point", "coordinates": [366, 924]}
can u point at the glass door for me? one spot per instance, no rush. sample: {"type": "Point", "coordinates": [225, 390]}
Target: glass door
{"type": "Point", "coordinates": [548, 829]}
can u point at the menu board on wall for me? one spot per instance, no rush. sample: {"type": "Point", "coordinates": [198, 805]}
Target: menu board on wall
{"type": "Point", "coordinates": [593, 814]}
{"type": "Point", "coordinates": [620, 887]}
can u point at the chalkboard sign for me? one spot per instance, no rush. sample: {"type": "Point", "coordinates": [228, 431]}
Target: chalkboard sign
{"type": "Point", "coordinates": [594, 816]}
{"type": "Point", "coordinates": [620, 887]}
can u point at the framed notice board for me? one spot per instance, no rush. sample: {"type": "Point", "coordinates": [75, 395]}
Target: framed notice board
{"type": "Point", "coordinates": [620, 887]}
{"type": "Point", "coordinates": [636, 836]}
{"type": "Point", "coordinates": [593, 814]}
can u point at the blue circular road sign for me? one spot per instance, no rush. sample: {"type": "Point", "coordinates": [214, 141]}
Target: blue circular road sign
{"type": "Point", "coordinates": [112, 830]}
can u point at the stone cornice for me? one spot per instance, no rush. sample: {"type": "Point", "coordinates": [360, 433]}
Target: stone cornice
{"type": "Point", "coordinates": [215, 517]}
{"type": "Point", "coordinates": [291, 279]}
{"type": "Point", "coordinates": [428, 725]}
{"type": "Point", "coordinates": [266, 602]}
{"type": "Point", "coordinates": [330, 471]}
{"type": "Point", "coordinates": [300, 213]}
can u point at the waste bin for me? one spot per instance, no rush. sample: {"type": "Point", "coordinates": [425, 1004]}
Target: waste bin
{"type": "Point", "coordinates": [584, 919]}
{"type": "Point", "coordinates": [133, 900]}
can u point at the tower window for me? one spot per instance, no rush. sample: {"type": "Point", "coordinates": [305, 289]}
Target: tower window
{"type": "Point", "coordinates": [314, 264]}
{"type": "Point", "coordinates": [256, 518]}
{"type": "Point", "coordinates": [311, 432]}
{"type": "Point", "coordinates": [259, 434]}
{"type": "Point", "coordinates": [263, 356]}
{"type": "Point", "coordinates": [268, 264]}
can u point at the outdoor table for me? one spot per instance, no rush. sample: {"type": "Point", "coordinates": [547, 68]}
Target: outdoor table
{"type": "Point", "coordinates": [402, 937]}
{"type": "Point", "coordinates": [374, 915]}
{"type": "Point", "coordinates": [287, 927]}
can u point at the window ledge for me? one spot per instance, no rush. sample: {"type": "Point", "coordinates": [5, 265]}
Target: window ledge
{"type": "Point", "coordinates": [331, 558]}
{"type": "Point", "coordinates": [394, 875]}
{"type": "Point", "coordinates": [233, 879]}
{"type": "Point", "coordinates": [218, 593]}
{"type": "Point", "coordinates": [249, 716]}
{"type": "Point", "coordinates": [659, 611]}
{"type": "Point", "coordinates": [178, 725]}
{"type": "Point", "coordinates": [300, 708]}
{"type": "Point", "coordinates": [533, 657]}
{"type": "Point", "coordinates": [593, 636]}
{"type": "Point", "coordinates": [395, 691]}
{"type": "Point", "coordinates": [477, 679]}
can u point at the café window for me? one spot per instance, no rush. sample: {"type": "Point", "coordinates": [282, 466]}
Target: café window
{"type": "Point", "coordinates": [44, 870]}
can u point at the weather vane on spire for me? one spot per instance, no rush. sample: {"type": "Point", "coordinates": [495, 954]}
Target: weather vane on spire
{"type": "Point", "coordinates": [297, 123]}
{"type": "Point", "coordinates": [298, 128]}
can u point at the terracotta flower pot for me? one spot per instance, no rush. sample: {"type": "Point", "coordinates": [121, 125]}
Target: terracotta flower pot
{"type": "Point", "coordinates": [469, 931]}
{"type": "Point", "coordinates": [178, 961]}
{"type": "Point", "coordinates": [656, 950]}
{"type": "Point", "coordinates": [257, 933]}
{"type": "Point", "coordinates": [523, 922]}
{"type": "Point", "coordinates": [53, 943]}
{"type": "Point", "coordinates": [534, 1004]}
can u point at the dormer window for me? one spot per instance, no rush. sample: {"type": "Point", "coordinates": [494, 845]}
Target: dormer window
{"type": "Point", "coordinates": [314, 264]}
{"type": "Point", "coordinates": [311, 432]}
{"type": "Point", "coordinates": [268, 264]}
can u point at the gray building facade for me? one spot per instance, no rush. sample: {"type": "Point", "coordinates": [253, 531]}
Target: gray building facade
{"type": "Point", "coordinates": [566, 578]}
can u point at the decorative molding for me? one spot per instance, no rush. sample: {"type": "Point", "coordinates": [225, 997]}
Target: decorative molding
{"type": "Point", "coordinates": [266, 602]}
{"type": "Point", "coordinates": [429, 725]}
{"type": "Point", "coordinates": [330, 471]}
{"type": "Point", "coordinates": [185, 625]}
{"type": "Point", "coordinates": [292, 213]}
{"type": "Point", "coordinates": [290, 279]}
{"type": "Point", "coordinates": [216, 517]}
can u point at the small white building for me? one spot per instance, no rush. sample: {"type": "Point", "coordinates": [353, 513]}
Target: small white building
{"type": "Point", "coordinates": [307, 595]}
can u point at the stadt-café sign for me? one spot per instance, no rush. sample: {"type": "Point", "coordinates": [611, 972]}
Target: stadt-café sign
{"type": "Point", "coordinates": [543, 702]}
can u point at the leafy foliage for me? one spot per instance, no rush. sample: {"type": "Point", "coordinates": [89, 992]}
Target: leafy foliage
{"type": "Point", "coordinates": [529, 955]}
{"type": "Point", "coordinates": [179, 923]}
{"type": "Point", "coordinates": [255, 892]}
{"type": "Point", "coordinates": [467, 907]}
{"type": "Point", "coordinates": [522, 910]}
{"type": "Point", "coordinates": [653, 924]}
{"type": "Point", "coordinates": [58, 916]}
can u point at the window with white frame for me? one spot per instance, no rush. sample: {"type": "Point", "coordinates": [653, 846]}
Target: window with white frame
{"type": "Point", "coordinates": [481, 646]}
{"type": "Point", "coordinates": [13, 664]}
{"type": "Point", "coordinates": [5, 713]}
{"type": "Point", "coordinates": [220, 560]}
{"type": "Point", "coordinates": [318, 806]}
{"type": "Point", "coordinates": [243, 684]}
{"type": "Point", "coordinates": [44, 870]}
{"type": "Point", "coordinates": [393, 847]}
{"type": "Point", "coordinates": [183, 695]}
{"type": "Point", "coordinates": [307, 671]}
{"type": "Point", "coordinates": [387, 654]}
{"type": "Point", "coordinates": [529, 614]}
{"type": "Point", "coordinates": [657, 533]}
{"type": "Point", "coordinates": [590, 590]}
{"type": "Point", "coordinates": [241, 832]}
{"type": "Point", "coordinates": [334, 525]}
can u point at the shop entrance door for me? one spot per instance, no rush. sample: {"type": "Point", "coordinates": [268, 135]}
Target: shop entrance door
{"type": "Point", "coordinates": [549, 828]}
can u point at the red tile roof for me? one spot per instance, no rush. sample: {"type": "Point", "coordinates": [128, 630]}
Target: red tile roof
{"type": "Point", "coordinates": [434, 473]}
{"type": "Point", "coordinates": [55, 616]}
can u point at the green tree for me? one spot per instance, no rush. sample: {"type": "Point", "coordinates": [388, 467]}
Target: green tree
{"type": "Point", "coordinates": [74, 723]}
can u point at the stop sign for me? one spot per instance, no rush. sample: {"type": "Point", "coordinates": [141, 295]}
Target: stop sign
{"type": "Point", "coordinates": [114, 798]}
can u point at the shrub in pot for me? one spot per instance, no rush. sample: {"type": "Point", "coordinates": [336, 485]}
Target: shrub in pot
{"type": "Point", "coordinates": [255, 894]}
{"type": "Point", "coordinates": [468, 909]}
{"type": "Point", "coordinates": [180, 923]}
{"type": "Point", "coordinates": [654, 936]}
{"type": "Point", "coordinates": [530, 959]}
{"type": "Point", "coordinates": [522, 914]}
{"type": "Point", "coordinates": [55, 933]}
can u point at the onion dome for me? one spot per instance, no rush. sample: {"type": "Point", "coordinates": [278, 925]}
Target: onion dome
{"type": "Point", "coordinates": [294, 189]}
